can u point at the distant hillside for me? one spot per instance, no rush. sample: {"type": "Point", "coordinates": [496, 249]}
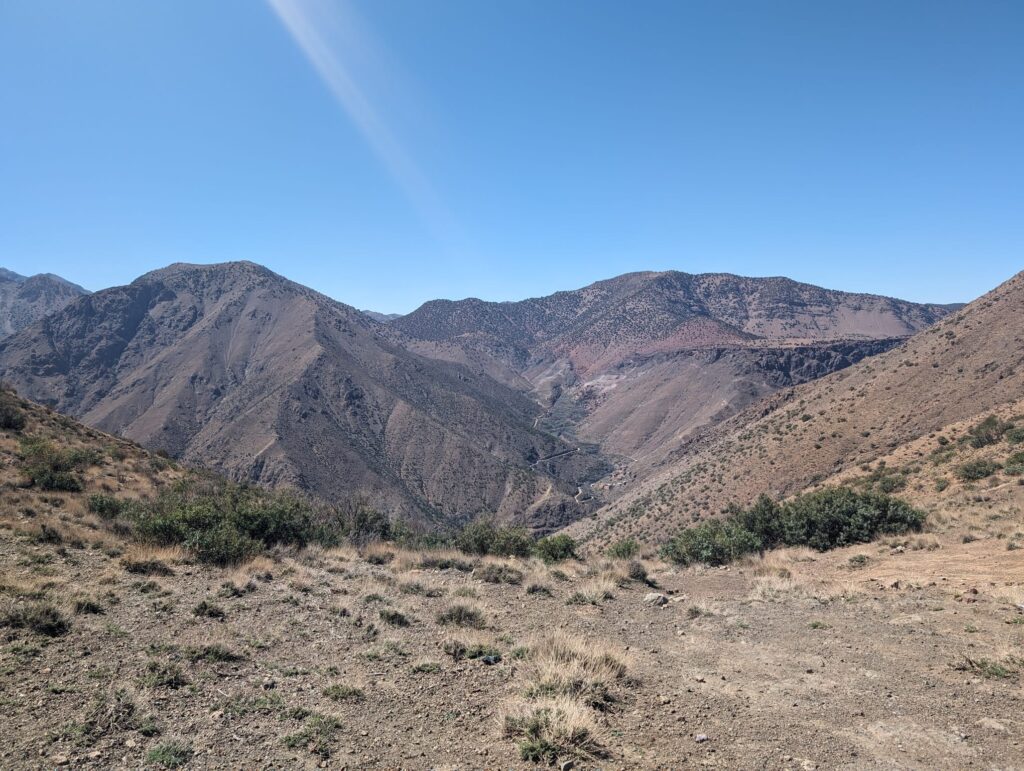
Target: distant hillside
{"type": "Point", "coordinates": [383, 318]}
{"type": "Point", "coordinates": [25, 299]}
{"type": "Point", "coordinates": [236, 368]}
{"type": "Point", "coordinates": [954, 372]}
{"type": "Point", "coordinates": [639, 362]}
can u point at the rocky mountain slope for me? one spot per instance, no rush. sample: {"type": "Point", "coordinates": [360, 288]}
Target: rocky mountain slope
{"type": "Point", "coordinates": [238, 369]}
{"type": "Point", "coordinates": [958, 370]}
{"type": "Point", "coordinates": [26, 299]}
{"type": "Point", "coordinates": [637, 363]}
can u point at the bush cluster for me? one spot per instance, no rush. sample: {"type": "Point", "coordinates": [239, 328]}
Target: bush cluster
{"type": "Point", "coordinates": [12, 416]}
{"type": "Point", "coordinates": [50, 468]}
{"type": "Point", "coordinates": [484, 537]}
{"type": "Point", "coordinates": [223, 523]}
{"type": "Point", "coordinates": [989, 431]}
{"type": "Point", "coordinates": [974, 470]}
{"type": "Point", "coordinates": [824, 519]}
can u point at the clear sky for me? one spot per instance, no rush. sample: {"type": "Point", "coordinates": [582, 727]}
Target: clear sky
{"type": "Point", "coordinates": [391, 151]}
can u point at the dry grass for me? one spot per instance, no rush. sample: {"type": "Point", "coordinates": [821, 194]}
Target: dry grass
{"type": "Point", "coordinates": [552, 729]}
{"type": "Point", "coordinates": [562, 665]}
{"type": "Point", "coordinates": [594, 590]}
{"type": "Point", "coordinates": [167, 554]}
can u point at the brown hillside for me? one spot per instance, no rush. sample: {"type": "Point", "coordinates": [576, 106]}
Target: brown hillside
{"type": "Point", "coordinates": [236, 368]}
{"type": "Point", "coordinates": [967, 364]}
{"type": "Point", "coordinates": [115, 653]}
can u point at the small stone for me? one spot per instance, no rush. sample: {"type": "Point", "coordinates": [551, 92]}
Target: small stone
{"type": "Point", "coordinates": [491, 660]}
{"type": "Point", "coordinates": [656, 599]}
{"type": "Point", "coordinates": [566, 765]}
{"type": "Point", "coordinates": [665, 700]}
{"type": "Point", "coordinates": [700, 738]}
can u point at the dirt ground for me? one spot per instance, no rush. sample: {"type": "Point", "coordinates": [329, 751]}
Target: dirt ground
{"type": "Point", "coordinates": [908, 655]}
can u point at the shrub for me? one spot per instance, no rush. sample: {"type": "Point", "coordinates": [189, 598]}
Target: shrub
{"type": "Point", "coordinates": [357, 521]}
{"type": "Point", "coordinates": [339, 692]}
{"type": "Point", "coordinates": [974, 470]}
{"type": "Point", "coordinates": [1015, 435]}
{"type": "Point", "coordinates": [223, 546]}
{"type": "Point", "coordinates": [824, 519]}
{"type": "Point", "coordinates": [475, 538]}
{"type": "Point", "coordinates": [556, 548]}
{"type": "Point", "coordinates": [39, 617]}
{"type": "Point", "coordinates": [394, 617]}
{"type": "Point", "coordinates": [834, 517]}
{"type": "Point", "coordinates": [206, 609]}
{"type": "Point", "coordinates": [499, 574]}
{"type": "Point", "coordinates": [716, 542]}
{"type": "Point", "coordinates": [160, 675]}
{"type": "Point", "coordinates": [317, 735]}
{"type": "Point", "coordinates": [12, 417]}
{"type": "Point", "coordinates": [624, 549]}
{"type": "Point", "coordinates": [50, 468]}
{"type": "Point", "coordinates": [150, 567]}
{"type": "Point", "coordinates": [462, 615]}
{"type": "Point", "coordinates": [105, 506]}
{"type": "Point", "coordinates": [512, 542]}
{"type": "Point", "coordinates": [989, 431]}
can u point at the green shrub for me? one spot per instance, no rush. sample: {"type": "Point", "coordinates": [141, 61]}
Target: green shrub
{"type": "Point", "coordinates": [1015, 435]}
{"type": "Point", "coordinates": [974, 470]}
{"type": "Point", "coordinates": [834, 517]}
{"type": "Point", "coordinates": [12, 417]}
{"type": "Point", "coordinates": [105, 506]}
{"type": "Point", "coordinates": [824, 519]}
{"type": "Point", "coordinates": [716, 542]}
{"type": "Point", "coordinates": [624, 549]}
{"type": "Point", "coordinates": [556, 548]}
{"type": "Point", "coordinates": [512, 542]}
{"type": "Point", "coordinates": [484, 537]}
{"type": "Point", "coordinates": [50, 468]}
{"type": "Point", "coordinates": [462, 615]}
{"type": "Point", "coordinates": [338, 692]}
{"type": "Point", "coordinates": [989, 431]}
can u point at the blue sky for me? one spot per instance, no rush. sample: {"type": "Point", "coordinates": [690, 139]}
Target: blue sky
{"type": "Point", "coordinates": [393, 151]}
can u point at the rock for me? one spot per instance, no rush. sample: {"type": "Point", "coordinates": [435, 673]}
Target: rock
{"type": "Point", "coordinates": [269, 685]}
{"type": "Point", "coordinates": [491, 660]}
{"type": "Point", "coordinates": [656, 599]}
{"type": "Point", "coordinates": [700, 738]}
{"type": "Point", "coordinates": [566, 765]}
{"type": "Point", "coordinates": [993, 725]}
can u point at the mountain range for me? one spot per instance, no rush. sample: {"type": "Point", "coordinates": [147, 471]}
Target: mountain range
{"type": "Point", "coordinates": [545, 411]}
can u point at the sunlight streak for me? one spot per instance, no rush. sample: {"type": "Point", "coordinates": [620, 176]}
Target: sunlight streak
{"type": "Point", "coordinates": [339, 48]}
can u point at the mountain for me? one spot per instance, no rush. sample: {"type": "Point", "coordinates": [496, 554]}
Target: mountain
{"type": "Point", "coordinates": [241, 370]}
{"type": "Point", "coordinates": [25, 299]}
{"type": "Point", "coordinates": [383, 318]}
{"type": "Point", "coordinates": [638, 363]}
{"type": "Point", "coordinates": [944, 379]}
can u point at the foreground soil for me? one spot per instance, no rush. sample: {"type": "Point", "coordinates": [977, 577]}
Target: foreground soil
{"type": "Point", "coordinates": [908, 655]}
